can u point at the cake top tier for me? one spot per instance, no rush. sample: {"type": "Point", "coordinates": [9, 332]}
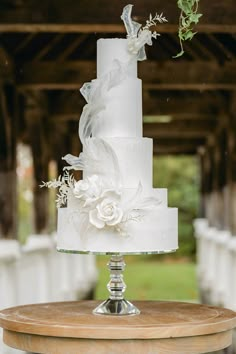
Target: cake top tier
{"type": "Point", "coordinates": [109, 50]}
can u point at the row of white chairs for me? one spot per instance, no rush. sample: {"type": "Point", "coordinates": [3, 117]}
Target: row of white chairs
{"type": "Point", "coordinates": [216, 265]}
{"type": "Point", "coordinates": [216, 268]}
{"type": "Point", "coordinates": [36, 272]}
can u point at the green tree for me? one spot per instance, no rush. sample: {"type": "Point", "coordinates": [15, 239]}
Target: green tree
{"type": "Point", "coordinates": [180, 174]}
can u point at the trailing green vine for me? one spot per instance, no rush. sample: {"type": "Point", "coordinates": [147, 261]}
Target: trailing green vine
{"type": "Point", "coordinates": [189, 17]}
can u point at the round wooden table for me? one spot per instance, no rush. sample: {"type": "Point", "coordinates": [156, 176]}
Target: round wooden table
{"type": "Point", "coordinates": [162, 327]}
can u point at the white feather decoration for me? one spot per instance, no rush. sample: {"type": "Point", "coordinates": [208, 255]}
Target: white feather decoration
{"type": "Point", "coordinates": [97, 157]}
{"type": "Point", "coordinates": [138, 202]}
{"type": "Point", "coordinates": [96, 95]}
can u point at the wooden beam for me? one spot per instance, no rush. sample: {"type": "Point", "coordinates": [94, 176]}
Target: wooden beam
{"type": "Point", "coordinates": [64, 12]}
{"type": "Point", "coordinates": [178, 145]}
{"type": "Point", "coordinates": [220, 45]}
{"type": "Point", "coordinates": [188, 47]}
{"type": "Point", "coordinates": [196, 106]}
{"type": "Point", "coordinates": [177, 129]}
{"type": "Point", "coordinates": [48, 47]}
{"type": "Point", "coordinates": [203, 50]}
{"type": "Point", "coordinates": [194, 86]}
{"type": "Point", "coordinates": [197, 75]}
{"type": "Point", "coordinates": [185, 116]}
{"type": "Point", "coordinates": [103, 28]}
{"type": "Point", "coordinates": [171, 103]}
{"type": "Point", "coordinates": [51, 75]}
{"type": "Point", "coordinates": [182, 149]}
{"type": "Point", "coordinates": [28, 38]}
{"type": "Point", "coordinates": [155, 75]}
{"type": "Point", "coordinates": [191, 116]}
{"type": "Point", "coordinates": [75, 44]}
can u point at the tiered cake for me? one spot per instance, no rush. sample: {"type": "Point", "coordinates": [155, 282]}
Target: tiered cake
{"type": "Point", "coordinates": [114, 208]}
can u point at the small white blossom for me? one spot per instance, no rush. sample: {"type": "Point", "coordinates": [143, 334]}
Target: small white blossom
{"type": "Point", "coordinates": [89, 190]}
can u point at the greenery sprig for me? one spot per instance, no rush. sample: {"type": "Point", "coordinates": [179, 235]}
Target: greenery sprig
{"type": "Point", "coordinates": [189, 17]}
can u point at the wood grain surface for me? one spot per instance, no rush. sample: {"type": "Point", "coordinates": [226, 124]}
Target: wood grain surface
{"type": "Point", "coordinates": [59, 345]}
{"type": "Point", "coordinates": [162, 327]}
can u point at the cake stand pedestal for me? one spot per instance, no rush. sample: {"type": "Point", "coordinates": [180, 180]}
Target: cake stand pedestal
{"type": "Point", "coordinates": [161, 327]}
{"type": "Point", "coordinates": [116, 304]}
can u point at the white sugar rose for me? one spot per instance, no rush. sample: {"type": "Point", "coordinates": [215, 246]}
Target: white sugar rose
{"type": "Point", "coordinates": [80, 188]}
{"type": "Point", "coordinates": [89, 189]}
{"type": "Point", "coordinates": [107, 212]}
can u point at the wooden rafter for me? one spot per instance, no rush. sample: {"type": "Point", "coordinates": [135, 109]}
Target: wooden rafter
{"type": "Point", "coordinates": [205, 52]}
{"type": "Point", "coordinates": [48, 47]}
{"type": "Point", "coordinates": [71, 108]}
{"type": "Point", "coordinates": [177, 145]}
{"type": "Point", "coordinates": [75, 44]}
{"type": "Point", "coordinates": [101, 28]}
{"type": "Point", "coordinates": [220, 46]}
{"type": "Point", "coordinates": [156, 76]}
{"type": "Point", "coordinates": [178, 128]}
{"type": "Point", "coordinates": [171, 149]}
{"type": "Point", "coordinates": [189, 49]}
{"type": "Point", "coordinates": [23, 44]}
{"type": "Point", "coordinates": [64, 12]}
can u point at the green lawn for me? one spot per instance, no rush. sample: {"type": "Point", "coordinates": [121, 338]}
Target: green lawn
{"type": "Point", "coordinates": [149, 279]}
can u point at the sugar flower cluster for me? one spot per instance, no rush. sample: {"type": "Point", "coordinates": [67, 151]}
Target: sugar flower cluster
{"type": "Point", "coordinates": [102, 204]}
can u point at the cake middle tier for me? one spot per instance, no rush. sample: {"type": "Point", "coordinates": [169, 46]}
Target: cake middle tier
{"type": "Point", "coordinates": [122, 115]}
{"type": "Point", "coordinates": [134, 157]}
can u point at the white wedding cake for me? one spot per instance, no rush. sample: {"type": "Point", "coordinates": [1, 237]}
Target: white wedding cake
{"type": "Point", "coordinates": [114, 208]}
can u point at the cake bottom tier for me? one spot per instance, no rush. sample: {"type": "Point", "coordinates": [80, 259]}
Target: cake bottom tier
{"type": "Point", "coordinates": [156, 232]}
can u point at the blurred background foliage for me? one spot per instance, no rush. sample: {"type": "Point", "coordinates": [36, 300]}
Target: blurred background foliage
{"type": "Point", "coordinates": [148, 278]}
{"type": "Point", "coordinates": [180, 175]}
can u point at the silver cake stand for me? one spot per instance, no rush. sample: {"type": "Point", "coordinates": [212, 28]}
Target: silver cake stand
{"type": "Point", "coordinates": [116, 304]}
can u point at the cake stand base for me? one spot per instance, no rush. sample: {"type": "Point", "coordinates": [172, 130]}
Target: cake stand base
{"type": "Point", "coordinates": [116, 304]}
{"type": "Point", "coordinates": [116, 307]}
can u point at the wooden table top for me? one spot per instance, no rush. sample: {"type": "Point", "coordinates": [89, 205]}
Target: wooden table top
{"type": "Point", "coordinates": [158, 320]}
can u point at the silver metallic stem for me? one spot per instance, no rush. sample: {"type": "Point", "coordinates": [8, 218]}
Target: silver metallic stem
{"type": "Point", "coordinates": [116, 304]}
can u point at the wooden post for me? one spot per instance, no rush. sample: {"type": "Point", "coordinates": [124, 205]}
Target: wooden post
{"type": "Point", "coordinates": [209, 166]}
{"type": "Point", "coordinates": [203, 180]}
{"type": "Point", "coordinates": [222, 180]}
{"type": "Point", "coordinates": [218, 180]}
{"type": "Point", "coordinates": [36, 117]}
{"type": "Point", "coordinates": [231, 170]}
{"type": "Point", "coordinates": [8, 206]}
{"type": "Point", "coordinates": [214, 169]}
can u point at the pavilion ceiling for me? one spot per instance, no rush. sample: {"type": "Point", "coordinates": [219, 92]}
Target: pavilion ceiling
{"type": "Point", "coordinates": [48, 50]}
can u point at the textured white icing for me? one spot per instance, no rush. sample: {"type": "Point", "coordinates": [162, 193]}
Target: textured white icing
{"type": "Point", "coordinates": [122, 116]}
{"type": "Point", "coordinates": [135, 161]}
{"type": "Point", "coordinates": [112, 49]}
{"type": "Point", "coordinates": [156, 232]}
